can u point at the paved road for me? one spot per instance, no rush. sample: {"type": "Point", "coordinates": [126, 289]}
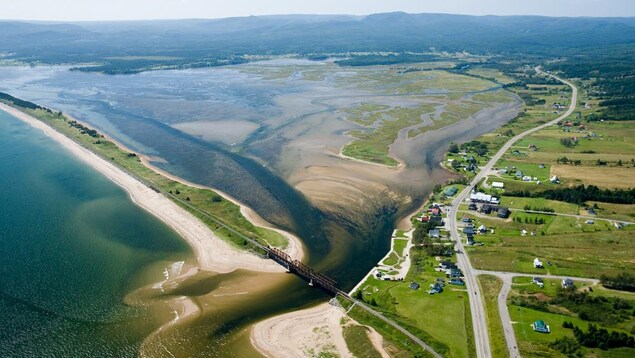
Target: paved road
{"type": "Point", "coordinates": [479, 319]}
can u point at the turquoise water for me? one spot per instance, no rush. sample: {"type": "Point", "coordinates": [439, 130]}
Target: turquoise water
{"type": "Point", "coordinates": [72, 245]}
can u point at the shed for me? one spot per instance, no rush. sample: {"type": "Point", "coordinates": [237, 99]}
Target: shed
{"type": "Point", "coordinates": [540, 326]}
{"type": "Point", "coordinates": [498, 184]}
{"type": "Point", "coordinates": [503, 213]}
{"type": "Point", "coordinates": [414, 285]}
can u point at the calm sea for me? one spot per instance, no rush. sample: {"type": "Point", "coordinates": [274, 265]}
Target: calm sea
{"type": "Point", "coordinates": [72, 246]}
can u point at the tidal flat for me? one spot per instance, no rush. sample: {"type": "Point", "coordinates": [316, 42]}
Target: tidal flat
{"type": "Point", "coordinates": [284, 157]}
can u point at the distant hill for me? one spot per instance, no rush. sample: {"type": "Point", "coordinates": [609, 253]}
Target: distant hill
{"type": "Point", "coordinates": [214, 42]}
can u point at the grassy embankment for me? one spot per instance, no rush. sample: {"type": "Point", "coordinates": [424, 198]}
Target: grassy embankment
{"type": "Point", "coordinates": [490, 288]}
{"type": "Point", "coordinates": [606, 314]}
{"type": "Point", "coordinates": [183, 195]}
{"type": "Point", "coordinates": [445, 103]}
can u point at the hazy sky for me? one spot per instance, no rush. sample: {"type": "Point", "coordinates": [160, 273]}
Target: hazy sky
{"type": "Point", "coordinates": [74, 10]}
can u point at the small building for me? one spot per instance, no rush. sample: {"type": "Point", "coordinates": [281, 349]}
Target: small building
{"type": "Point", "coordinates": [434, 233]}
{"type": "Point", "coordinates": [457, 281]}
{"type": "Point", "coordinates": [554, 179]}
{"type": "Point", "coordinates": [567, 283]}
{"type": "Point", "coordinates": [592, 211]}
{"type": "Point", "coordinates": [503, 213]}
{"type": "Point", "coordinates": [538, 263]}
{"type": "Point", "coordinates": [424, 218]}
{"type": "Point", "coordinates": [468, 230]}
{"type": "Point", "coordinates": [455, 272]}
{"type": "Point", "coordinates": [541, 326]}
{"type": "Point", "coordinates": [482, 229]}
{"type": "Point", "coordinates": [538, 281]}
{"type": "Point", "coordinates": [486, 209]}
{"type": "Point", "coordinates": [472, 206]}
{"type": "Point", "coordinates": [466, 219]}
{"type": "Point", "coordinates": [590, 222]}
{"type": "Point", "coordinates": [447, 265]}
{"type": "Point", "coordinates": [435, 288]}
{"type": "Point", "coordinates": [541, 166]}
{"type": "Point", "coordinates": [414, 285]}
{"type": "Point", "coordinates": [498, 184]}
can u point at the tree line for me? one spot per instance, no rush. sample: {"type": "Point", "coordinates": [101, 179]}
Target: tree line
{"type": "Point", "coordinates": [580, 194]}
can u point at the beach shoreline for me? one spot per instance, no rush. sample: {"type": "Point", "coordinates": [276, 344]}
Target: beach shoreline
{"type": "Point", "coordinates": [212, 253]}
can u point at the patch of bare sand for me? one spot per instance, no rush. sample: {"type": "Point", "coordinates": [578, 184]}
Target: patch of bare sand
{"type": "Point", "coordinates": [304, 333]}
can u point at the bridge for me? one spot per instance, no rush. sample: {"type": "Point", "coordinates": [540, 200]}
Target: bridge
{"type": "Point", "coordinates": [304, 271]}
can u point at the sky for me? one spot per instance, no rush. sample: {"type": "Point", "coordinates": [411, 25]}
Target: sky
{"type": "Point", "coordinates": [89, 10]}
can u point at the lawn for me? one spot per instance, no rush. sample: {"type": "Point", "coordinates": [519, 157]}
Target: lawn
{"type": "Point", "coordinates": [490, 288]}
{"type": "Point", "coordinates": [400, 245]}
{"type": "Point", "coordinates": [538, 204]}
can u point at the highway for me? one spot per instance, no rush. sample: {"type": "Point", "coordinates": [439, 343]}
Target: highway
{"type": "Point", "coordinates": [479, 318]}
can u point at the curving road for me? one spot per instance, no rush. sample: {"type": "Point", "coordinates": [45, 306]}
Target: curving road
{"type": "Point", "coordinates": [479, 320]}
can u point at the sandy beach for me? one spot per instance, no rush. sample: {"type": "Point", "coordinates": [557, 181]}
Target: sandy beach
{"type": "Point", "coordinates": [212, 253]}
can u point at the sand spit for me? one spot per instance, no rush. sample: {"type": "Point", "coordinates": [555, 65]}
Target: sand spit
{"type": "Point", "coordinates": [212, 253]}
{"type": "Point", "coordinates": [303, 333]}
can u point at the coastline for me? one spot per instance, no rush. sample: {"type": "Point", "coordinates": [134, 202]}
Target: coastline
{"type": "Point", "coordinates": [212, 253]}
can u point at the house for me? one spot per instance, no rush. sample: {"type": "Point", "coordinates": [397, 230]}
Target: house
{"type": "Point", "coordinates": [472, 206]}
{"type": "Point", "coordinates": [538, 281]}
{"type": "Point", "coordinates": [447, 265]}
{"type": "Point", "coordinates": [435, 288]}
{"type": "Point", "coordinates": [482, 229]}
{"type": "Point", "coordinates": [457, 281]}
{"type": "Point", "coordinates": [503, 213]}
{"type": "Point", "coordinates": [435, 210]}
{"type": "Point", "coordinates": [540, 326]}
{"type": "Point", "coordinates": [486, 209]}
{"type": "Point", "coordinates": [498, 184]}
{"type": "Point", "coordinates": [554, 179]}
{"type": "Point", "coordinates": [592, 211]}
{"type": "Point", "coordinates": [434, 233]}
{"type": "Point", "coordinates": [414, 285]}
{"type": "Point", "coordinates": [519, 174]}
{"type": "Point", "coordinates": [455, 272]}
{"type": "Point", "coordinates": [470, 240]}
{"type": "Point", "coordinates": [526, 178]}
{"type": "Point", "coordinates": [567, 283]}
{"type": "Point", "coordinates": [538, 263]}
{"type": "Point", "coordinates": [377, 274]}
{"type": "Point", "coordinates": [468, 230]}
{"type": "Point", "coordinates": [466, 219]}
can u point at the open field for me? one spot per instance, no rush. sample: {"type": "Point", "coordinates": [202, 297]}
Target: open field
{"type": "Point", "coordinates": [537, 344]}
{"type": "Point", "coordinates": [573, 247]}
{"type": "Point", "coordinates": [490, 288]}
{"type": "Point", "coordinates": [203, 199]}
{"type": "Point", "coordinates": [441, 316]}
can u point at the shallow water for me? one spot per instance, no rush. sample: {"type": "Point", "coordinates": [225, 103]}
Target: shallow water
{"type": "Point", "coordinates": [277, 112]}
{"type": "Point", "coordinates": [72, 246]}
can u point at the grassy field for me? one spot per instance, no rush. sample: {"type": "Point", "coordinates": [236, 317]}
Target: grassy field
{"type": "Point", "coordinates": [535, 344]}
{"type": "Point", "coordinates": [202, 199]}
{"type": "Point", "coordinates": [441, 317]}
{"type": "Point", "coordinates": [358, 342]}
{"type": "Point", "coordinates": [573, 247]}
{"type": "Point", "coordinates": [490, 288]}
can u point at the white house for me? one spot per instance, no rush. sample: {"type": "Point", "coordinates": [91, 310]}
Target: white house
{"type": "Point", "coordinates": [498, 184]}
{"type": "Point", "coordinates": [538, 263]}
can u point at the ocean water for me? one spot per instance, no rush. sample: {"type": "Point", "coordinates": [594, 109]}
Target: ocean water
{"type": "Point", "coordinates": [72, 246]}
